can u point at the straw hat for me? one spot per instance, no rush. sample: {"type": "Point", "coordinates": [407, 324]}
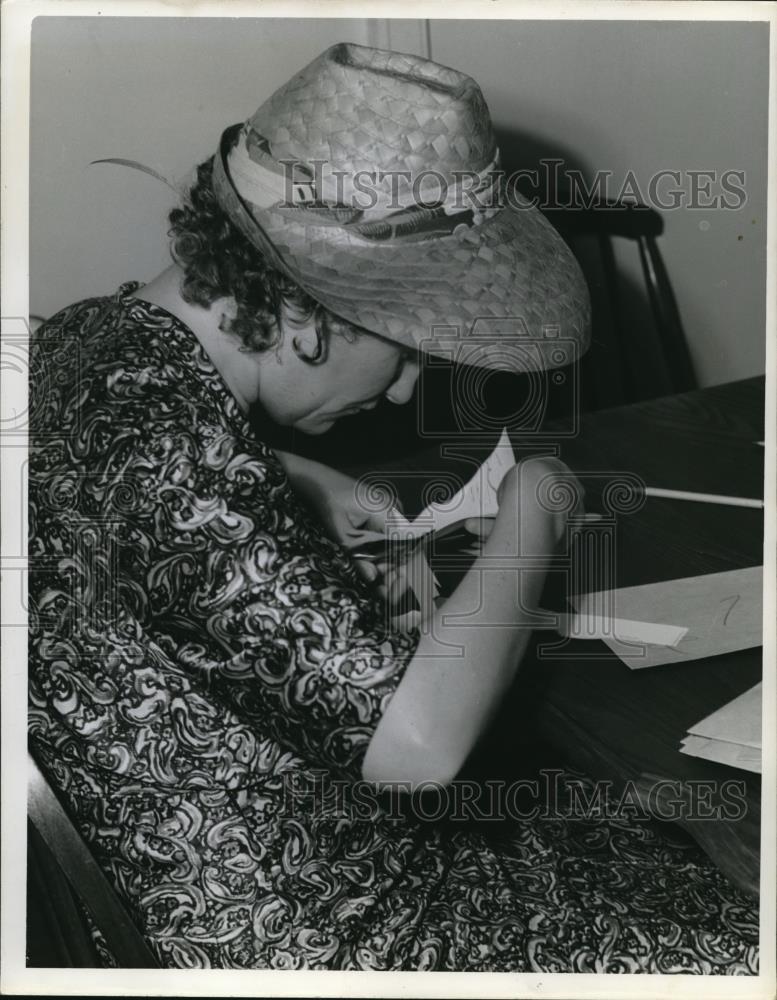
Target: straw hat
{"type": "Point", "coordinates": [372, 179]}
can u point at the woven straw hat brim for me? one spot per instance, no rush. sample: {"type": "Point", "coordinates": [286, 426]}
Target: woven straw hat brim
{"type": "Point", "coordinates": [506, 294]}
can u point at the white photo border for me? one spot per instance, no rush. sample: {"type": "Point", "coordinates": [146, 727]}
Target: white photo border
{"type": "Point", "coordinates": [15, 978]}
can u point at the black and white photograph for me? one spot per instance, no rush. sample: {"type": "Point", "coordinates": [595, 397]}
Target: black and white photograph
{"type": "Point", "coordinates": [388, 499]}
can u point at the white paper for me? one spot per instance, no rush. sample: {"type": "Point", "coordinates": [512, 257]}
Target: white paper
{"type": "Point", "coordinates": [721, 613]}
{"type": "Point", "coordinates": [477, 498]}
{"type": "Point", "coordinates": [733, 754]}
{"type": "Point", "coordinates": [738, 721]}
{"type": "Point", "coordinates": [625, 629]}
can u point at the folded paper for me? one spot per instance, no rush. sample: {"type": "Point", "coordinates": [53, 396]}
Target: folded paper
{"type": "Point", "coordinates": [721, 613]}
{"type": "Point", "coordinates": [733, 754]}
{"type": "Point", "coordinates": [738, 721]}
{"type": "Point", "coordinates": [477, 498]}
{"type": "Point", "coordinates": [624, 629]}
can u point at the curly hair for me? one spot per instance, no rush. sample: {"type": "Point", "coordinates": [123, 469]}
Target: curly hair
{"type": "Point", "coordinates": [218, 261]}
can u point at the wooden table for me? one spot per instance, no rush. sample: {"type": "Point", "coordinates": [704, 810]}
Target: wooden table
{"type": "Point", "coordinates": [618, 724]}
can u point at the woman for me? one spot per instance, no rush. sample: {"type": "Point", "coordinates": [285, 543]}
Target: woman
{"type": "Point", "coordinates": [207, 664]}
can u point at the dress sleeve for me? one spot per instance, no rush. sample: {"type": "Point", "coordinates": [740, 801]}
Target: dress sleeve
{"type": "Point", "coordinates": [236, 582]}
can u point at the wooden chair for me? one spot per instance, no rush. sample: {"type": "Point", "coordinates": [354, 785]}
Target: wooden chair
{"type": "Point", "coordinates": [639, 348]}
{"type": "Point", "coordinates": [61, 872]}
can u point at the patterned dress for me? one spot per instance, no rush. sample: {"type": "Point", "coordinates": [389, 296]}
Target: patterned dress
{"type": "Point", "coordinates": [204, 662]}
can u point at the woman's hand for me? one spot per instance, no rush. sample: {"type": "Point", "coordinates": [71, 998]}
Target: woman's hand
{"type": "Point", "coordinates": [334, 497]}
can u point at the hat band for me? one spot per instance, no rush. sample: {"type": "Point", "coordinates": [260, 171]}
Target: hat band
{"type": "Point", "coordinates": [317, 196]}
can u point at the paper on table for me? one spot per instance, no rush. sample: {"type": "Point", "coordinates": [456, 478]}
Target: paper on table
{"type": "Point", "coordinates": [582, 627]}
{"type": "Point", "coordinates": [477, 498]}
{"type": "Point", "coordinates": [738, 721]}
{"type": "Point", "coordinates": [721, 612]}
{"type": "Point", "coordinates": [733, 754]}
{"type": "Point", "coordinates": [730, 735]}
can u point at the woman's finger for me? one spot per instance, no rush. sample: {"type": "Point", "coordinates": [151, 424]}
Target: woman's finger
{"type": "Point", "coordinates": [397, 586]}
{"type": "Point", "coordinates": [358, 539]}
{"type": "Point", "coordinates": [367, 569]}
{"type": "Point", "coordinates": [381, 520]}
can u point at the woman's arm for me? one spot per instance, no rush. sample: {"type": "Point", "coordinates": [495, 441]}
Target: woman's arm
{"type": "Point", "coordinates": [295, 465]}
{"type": "Point", "coordinates": [461, 670]}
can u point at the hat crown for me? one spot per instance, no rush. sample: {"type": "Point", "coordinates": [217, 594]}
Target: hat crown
{"type": "Point", "coordinates": [356, 108]}
{"type": "Point", "coordinates": [422, 259]}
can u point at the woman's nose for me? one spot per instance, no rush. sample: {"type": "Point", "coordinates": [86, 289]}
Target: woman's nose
{"type": "Point", "coordinates": [402, 390]}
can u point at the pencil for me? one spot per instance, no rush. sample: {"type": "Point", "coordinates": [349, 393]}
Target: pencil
{"type": "Point", "coordinates": [655, 491]}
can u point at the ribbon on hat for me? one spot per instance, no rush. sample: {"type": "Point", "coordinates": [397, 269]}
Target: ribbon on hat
{"type": "Point", "coordinates": [317, 195]}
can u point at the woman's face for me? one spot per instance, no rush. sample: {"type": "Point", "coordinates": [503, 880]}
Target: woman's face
{"type": "Point", "coordinates": [354, 375]}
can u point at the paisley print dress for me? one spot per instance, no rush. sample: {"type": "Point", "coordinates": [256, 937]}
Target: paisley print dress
{"type": "Point", "coordinates": [203, 661]}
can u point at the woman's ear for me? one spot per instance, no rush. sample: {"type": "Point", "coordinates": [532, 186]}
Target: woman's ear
{"type": "Point", "coordinates": [228, 310]}
{"type": "Point", "coordinates": [309, 344]}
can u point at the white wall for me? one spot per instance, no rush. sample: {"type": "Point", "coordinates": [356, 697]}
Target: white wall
{"type": "Point", "coordinates": [625, 96]}
{"type": "Point", "coordinates": [614, 96]}
{"type": "Point", "coordinates": [159, 91]}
